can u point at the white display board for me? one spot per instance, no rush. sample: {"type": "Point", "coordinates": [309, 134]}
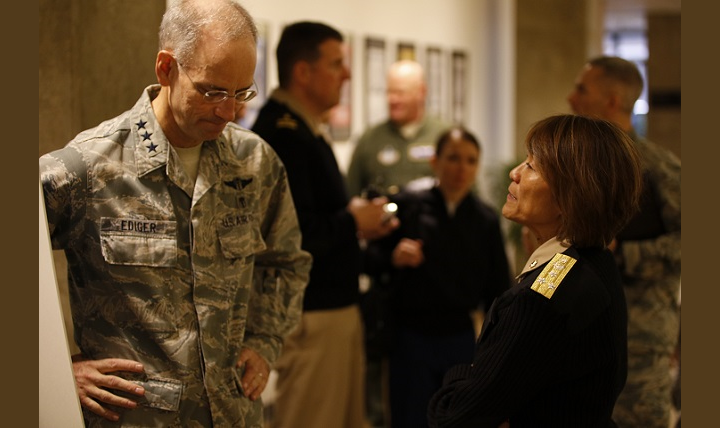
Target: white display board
{"type": "Point", "coordinates": [59, 403]}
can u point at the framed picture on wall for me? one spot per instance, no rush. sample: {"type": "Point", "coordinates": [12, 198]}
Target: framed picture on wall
{"type": "Point", "coordinates": [375, 81]}
{"type": "Point", "coordinates": [459, 87]}
{"type": "Point", "coordinates": [249, 113]}
{"type": "Point", "coordinates": [340, 116]}
{"type": "Point", "coordinates": [406, 50]}
{"type": "Point", "coordinates": [434, 77]}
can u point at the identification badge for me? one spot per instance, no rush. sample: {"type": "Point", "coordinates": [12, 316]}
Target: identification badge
{"type": "Point", "coordinates": [420, 152]}
{"type": "Point", "coordinates": [388, 156]}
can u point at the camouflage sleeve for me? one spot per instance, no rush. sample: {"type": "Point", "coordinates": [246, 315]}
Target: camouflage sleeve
{"type": "Point", "coordinates": [658, 258]}
{"type": "Point", "coordinates": [63, 181]}
{"type": "Point", "coordinates": [280, 276]}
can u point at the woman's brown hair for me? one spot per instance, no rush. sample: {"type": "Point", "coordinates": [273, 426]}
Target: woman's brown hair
{"type": "Point", "coordinates": [593, 170]}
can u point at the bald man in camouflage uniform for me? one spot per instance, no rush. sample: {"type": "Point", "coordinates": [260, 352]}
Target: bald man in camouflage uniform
{"type": "Point", "coordinates": [647, 250]}
{"type": "Point", "coordinates": [182, 240]}
{"type": "Point", "coordinates": [397, 151]}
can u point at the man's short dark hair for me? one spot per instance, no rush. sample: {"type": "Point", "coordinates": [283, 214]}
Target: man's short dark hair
{"type": "Point", "coordinates": [623, 73]}
{"type": "Point", "coordinates": [301, 42]}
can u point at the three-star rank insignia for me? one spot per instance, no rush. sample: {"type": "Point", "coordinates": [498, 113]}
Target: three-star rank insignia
{"type": "Point", "coordinates": [145, 135]}
{"type": "Point", "coordinates": [552, 275]}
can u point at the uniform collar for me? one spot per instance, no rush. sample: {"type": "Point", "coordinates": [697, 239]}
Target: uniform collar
{"type": "Point", "coordinates": [151, 145]}
{"type": "Point", "coordinates": [542, 255]}
{"type": "Point", "coordinates": [152, 148]}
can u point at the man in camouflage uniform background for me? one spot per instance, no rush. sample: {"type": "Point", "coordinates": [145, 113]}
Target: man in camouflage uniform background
{"type": "Point", "coordinates": [182, 240]}
{"type": "Point", "coordinates": [647, 250]}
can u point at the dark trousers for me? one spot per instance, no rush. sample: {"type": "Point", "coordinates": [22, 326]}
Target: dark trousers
{"type": "Point", "coordinates": [418, 363]}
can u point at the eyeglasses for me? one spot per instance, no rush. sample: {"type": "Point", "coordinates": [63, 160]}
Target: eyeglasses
{"type": "Point", "coordinates": [217, 96]}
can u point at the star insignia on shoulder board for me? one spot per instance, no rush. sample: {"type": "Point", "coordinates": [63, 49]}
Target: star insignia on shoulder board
{"type": "Point", "coordinates": [151, 147]}
{"type": "Point", "coordinates": [141, 124]}
{"type": "Point", "coordinates": [552, 275]}
{"type": "Point", "coordinates": [146, 135]}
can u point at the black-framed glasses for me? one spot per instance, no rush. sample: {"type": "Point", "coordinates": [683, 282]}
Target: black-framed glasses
{"type": "Point", "coordinates": [217, 96]}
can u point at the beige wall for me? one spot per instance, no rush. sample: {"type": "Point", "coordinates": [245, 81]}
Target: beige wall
{"type": "Point", "coordinates": [554, 39]}
{"type": "Point", "coordinates": [663, 69]}
{"type": "Point", "coordinates": [95, 59]}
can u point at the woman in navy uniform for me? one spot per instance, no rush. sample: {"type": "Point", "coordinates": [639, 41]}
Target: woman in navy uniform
{"type": "Point", "coordinates": [445, 261]}
{"type": "Point", "coordinates": [553, 349]}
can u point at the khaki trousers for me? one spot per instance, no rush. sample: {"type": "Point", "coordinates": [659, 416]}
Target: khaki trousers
{"type": "Point", "coordinates": [321, 379]}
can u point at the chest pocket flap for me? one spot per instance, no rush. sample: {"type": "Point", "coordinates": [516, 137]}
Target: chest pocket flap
{"type": "Point", "coordinates": [138, 242]}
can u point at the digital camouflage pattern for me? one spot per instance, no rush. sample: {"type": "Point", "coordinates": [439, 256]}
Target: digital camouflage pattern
{"type": "Point", "coordinates": [651, 277]}
{"type": "Point", "coordinates": [176, 278]}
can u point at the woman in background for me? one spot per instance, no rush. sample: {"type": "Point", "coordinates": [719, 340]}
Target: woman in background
{"type": "Point", "coordinates": [445, 262]}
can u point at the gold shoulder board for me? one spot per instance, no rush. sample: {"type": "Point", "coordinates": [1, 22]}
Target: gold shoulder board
{"type": "Point", "coordinates": [286, 122]}
{"type": "Point", "coordinates": [550, 278]}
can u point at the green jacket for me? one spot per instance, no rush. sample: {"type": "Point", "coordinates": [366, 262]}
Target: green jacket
{"type": "Point", "coordinates": [384, 159]}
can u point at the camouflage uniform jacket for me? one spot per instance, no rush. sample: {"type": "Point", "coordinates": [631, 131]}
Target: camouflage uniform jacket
{"type": "Point", "coordinates": [177, 282]}
{"type": "Point", "coordinates": [649, 249]}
